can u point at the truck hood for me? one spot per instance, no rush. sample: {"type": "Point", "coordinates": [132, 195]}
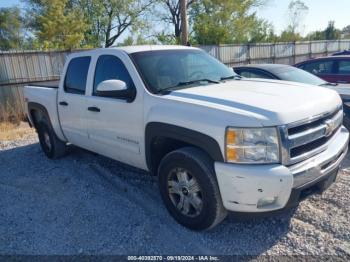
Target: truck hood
{"type": "Point", "coordinates": [271, 102]}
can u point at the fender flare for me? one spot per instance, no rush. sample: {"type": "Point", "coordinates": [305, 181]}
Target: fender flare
{"type": "Point", "coordinates": [40, 108]}
{"type": "Point", "coordinates": [188, 136]}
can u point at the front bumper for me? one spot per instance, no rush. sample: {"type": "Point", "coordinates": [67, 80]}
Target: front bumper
{"type": "Point", "coordinates": [263, 188]}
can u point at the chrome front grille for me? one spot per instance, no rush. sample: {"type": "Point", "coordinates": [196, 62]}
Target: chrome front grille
{"type": "Point", "coordinates": [307, 138]}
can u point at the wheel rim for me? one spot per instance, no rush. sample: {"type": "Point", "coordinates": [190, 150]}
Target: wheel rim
{"type": "Point", "coordinates": [185, 192]}
{"type": "Point", "coordinates": [47, 141]}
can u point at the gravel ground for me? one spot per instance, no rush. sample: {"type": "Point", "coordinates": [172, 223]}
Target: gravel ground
{"type": "Point", "coordinates": [88, 204]}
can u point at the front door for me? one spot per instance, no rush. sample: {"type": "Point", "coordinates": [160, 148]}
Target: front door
{"type": "Point", "coordinates": [115, 125]}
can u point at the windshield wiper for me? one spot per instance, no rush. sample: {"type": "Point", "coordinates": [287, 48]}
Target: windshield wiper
{"type": "Point", "coordinates": [328, 84]}
{"type": "Point", "coordinates": [237, 77]}
{"type": "Point", "coordinates": [185, 83]}
{"type": "Point", "coordinates": [197, 81]}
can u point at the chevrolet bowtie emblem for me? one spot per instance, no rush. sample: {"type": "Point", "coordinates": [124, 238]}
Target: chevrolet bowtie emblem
{"type": "Point", "coordinates": [330, 126]}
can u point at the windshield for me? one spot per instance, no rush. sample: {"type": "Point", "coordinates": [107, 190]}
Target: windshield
{"type": "Point", "coordinates": [176, 69]}
{"type": "Point", "coordinates": [298, 75]}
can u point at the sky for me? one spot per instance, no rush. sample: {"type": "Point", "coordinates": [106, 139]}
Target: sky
{"type": "Point", "coordinates": [320, 12]}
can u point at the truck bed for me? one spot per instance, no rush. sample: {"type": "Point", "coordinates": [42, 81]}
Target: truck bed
{"type": "Point", "coordinates": [44, 94]}
{"type": "Point", "coordinates": [48, 84]}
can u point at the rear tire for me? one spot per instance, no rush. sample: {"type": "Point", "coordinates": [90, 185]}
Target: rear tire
{"type": "Point", "coordinates": [189, 189]}
{"type": "Point", "coordinates": [52, 146]}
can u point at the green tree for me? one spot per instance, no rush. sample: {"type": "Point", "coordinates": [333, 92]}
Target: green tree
{"type": "Point", "coordinates": [331, 33]}
{"type": "Point", "coordinates": [297, 10]}
{"type": "Point", "coordinates": [137, 39]}
{"type": "Point", "coordinates": [93, 12]}
{"type": "Point", "coordinates": [263, 32]}
{"type": "Point", "coordinates": [167, 39]}
{"type": "Point", "coordinates": [56, 24]}
{"type": "Point", "coordinates": [316, 35]}
{"type": "Point", "coordinates": [346, 32]}
{"type": "Point", "coordinates": [11, 33]}
{"type": "Point", "coordinates": [109, 19]}
{"type": "Point", "coordinates": [221, 21]}
{"type": "Point", "coordinates": [289, 36]}
{"type": "Point", "coordinates": [168, 12]}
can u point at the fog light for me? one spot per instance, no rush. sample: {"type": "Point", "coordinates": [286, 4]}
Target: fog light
{"type": "Point", "coordinates": [266, 201]}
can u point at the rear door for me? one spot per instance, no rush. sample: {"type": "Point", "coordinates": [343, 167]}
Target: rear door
{"type": "Point", "coordinates": [343, 71]}
{"type": "Point", "coordinates": [115, 128]}
{"type": "Point", "coordinates": [72, 101]}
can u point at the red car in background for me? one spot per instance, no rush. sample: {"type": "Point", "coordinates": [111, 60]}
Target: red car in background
{"type": "Point", "coordinates": [334, 69]}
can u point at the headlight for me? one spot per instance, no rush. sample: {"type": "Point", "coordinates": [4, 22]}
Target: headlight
{"type": "Point", "coordinates": [252, 145]}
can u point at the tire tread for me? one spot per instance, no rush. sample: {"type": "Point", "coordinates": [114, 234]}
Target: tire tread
{"type": "Point", "coordinates": [59, 147]}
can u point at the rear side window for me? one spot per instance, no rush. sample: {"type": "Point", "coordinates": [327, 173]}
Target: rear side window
{"type": "Point", "coordinates": [110, 67]}
{"type": "Point", "coordinates": [76, 75]}
{"type": "Point", "coordinates": [320, 67]}
{"type": "Point", "coordinates": [254, 74]}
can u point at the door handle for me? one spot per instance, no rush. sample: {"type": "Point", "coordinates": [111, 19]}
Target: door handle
{"type": "Point", "coordinates": [94, 109]}
{"type": "Point", "coordinates": [63, 103]}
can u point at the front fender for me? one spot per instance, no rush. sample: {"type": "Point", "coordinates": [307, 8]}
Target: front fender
{"type": "Point", "coordinates": [188, 136]}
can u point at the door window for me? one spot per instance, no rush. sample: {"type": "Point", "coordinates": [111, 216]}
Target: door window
{"type": "Point", "coordinates": [344, 67]}
{"type": "Point", "coordinates": [319, 67]}
{"type": "Point", "coordinates": [76, 75]}
{"type": "Point", "coordinates": [254, 74]}
{"type": "Point", "coordinates": [110, 67]}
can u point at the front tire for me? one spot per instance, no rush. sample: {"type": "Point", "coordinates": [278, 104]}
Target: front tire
{"type": "Point", "coordinates": [52, 146]}
{"type": "Point", "coordinates": [189, 189]}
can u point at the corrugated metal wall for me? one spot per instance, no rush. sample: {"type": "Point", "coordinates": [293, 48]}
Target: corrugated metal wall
{"type": "Point", "coordinates": [23, 67]}
{"type": "Point", "coordinates": [281, 53]}
{"type": "Point", "coordinates": [19, 68]}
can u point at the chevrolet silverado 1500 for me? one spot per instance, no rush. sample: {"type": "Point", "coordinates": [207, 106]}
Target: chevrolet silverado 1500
{"type": "Point", "coordinates": [217, 142]}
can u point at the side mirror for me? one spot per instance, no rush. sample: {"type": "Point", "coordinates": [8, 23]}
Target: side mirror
{"type": "Point", "coordinates": [116, 89]}
{"type": "Point", "coordinates": [111, 86]}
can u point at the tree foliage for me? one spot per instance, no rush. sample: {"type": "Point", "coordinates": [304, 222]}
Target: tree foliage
{"type": "Point", "coordinates": [56, 24]}
{"type": "Point", "coordinates": [289, 36]}
{"type": "Point", "coordinates": [315, 35]}
{"type": "Point", "coordinates": [297, 10]}
{"type": "Point", "coordinates": [93, 13]}
{"type": "Point", "coordinates": [329, 33]}
{"type": "Point", "coordinates": [169, 14]}
{"type": "Point", "coordinates": [108, 19]}
{"type": "Point", "coordinates": [11, 34]}
{"type": "Point", "coordinates": [346, 32]}
{"type": "Point", "coordinates": [221, 21]}
{"type": "Point", "coordinates": [67, 24]}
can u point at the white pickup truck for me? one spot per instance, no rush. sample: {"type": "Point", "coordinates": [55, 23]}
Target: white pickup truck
{"type": "Point", "coordinates": [217, 142]}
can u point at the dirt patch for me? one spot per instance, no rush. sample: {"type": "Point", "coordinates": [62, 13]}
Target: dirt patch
{"type": "Point", "coordinates": [11, 131]}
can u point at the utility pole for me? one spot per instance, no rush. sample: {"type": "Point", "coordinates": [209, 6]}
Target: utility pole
{"type": "Point", "coordinates": [184, 23]}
